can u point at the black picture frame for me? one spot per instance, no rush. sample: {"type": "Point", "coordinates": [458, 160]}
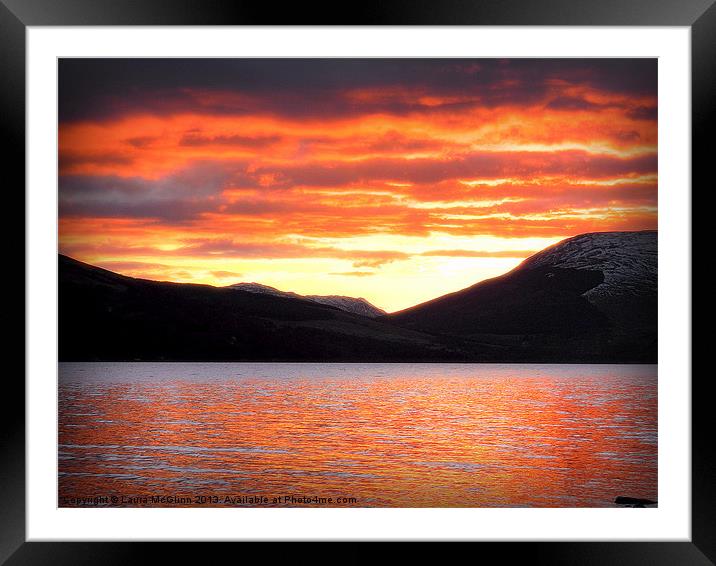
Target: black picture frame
{"type": "Point", "coordinates": [17, 15]}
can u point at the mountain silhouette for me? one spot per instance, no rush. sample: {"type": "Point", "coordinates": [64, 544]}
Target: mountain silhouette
{"type": "Point", "coordinates": [591, 298]}
{"type": "Point", "coordinates": [594, 295]}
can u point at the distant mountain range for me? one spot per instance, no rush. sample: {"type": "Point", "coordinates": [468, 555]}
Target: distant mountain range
{"type": "Point", "coordinates": [348, 304]}
{"type": "Point", "coordinates": [591, 298]}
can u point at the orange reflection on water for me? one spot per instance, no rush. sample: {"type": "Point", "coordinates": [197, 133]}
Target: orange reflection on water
{"type": "Point", "coordinates": [393, 435]}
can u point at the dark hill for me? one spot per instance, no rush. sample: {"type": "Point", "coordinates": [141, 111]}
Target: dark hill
{"type": "Point", "coordinates": [107, 316]}
{"type": "Point", "coordinates": [538, 301]}
{"type": "Point", "coordinates": [592, 297]}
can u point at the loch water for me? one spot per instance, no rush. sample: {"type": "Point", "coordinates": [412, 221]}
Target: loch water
{"type": "Point", "coordinates": [363, 435]}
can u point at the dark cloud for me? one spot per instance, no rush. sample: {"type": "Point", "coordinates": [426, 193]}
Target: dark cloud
{"type": "Point", "coordinates": [140, 142]}
{"type": "Point", "coordinates": [476, 165]}
{"type": "Point", "coordinates": [256, 142]}
{"type": "Point", "coordinates": [92, 89]}
{"type": "Point", "coordinates": [572, 103]}
{"type": "Point", "coordinates": [627, 136]}
{"type": "Point", "coordinates": [176, 197]}
{"type": "Point", "coordinates": [68, 160]}
{"type": "Point", "coordinates": [649, 113]}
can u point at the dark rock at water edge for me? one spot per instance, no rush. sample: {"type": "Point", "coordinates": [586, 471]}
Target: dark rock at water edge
{"type": "Point", "coordinates": [633, 501]}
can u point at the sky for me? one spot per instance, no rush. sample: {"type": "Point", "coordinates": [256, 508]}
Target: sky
{"type": "Point", "coordinates": [396, 180]}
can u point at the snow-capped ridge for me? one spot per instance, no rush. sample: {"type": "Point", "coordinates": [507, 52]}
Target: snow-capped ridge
{"type": "Point", "coordinates": [356, 305]}
{"type": "Point", "coordinates": [627, 259]}
{"type": "Point", "coordinates": [263, 289]}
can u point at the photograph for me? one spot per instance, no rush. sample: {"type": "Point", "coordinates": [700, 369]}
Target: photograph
{"type": "Point", "coordinates": [357, 282]}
